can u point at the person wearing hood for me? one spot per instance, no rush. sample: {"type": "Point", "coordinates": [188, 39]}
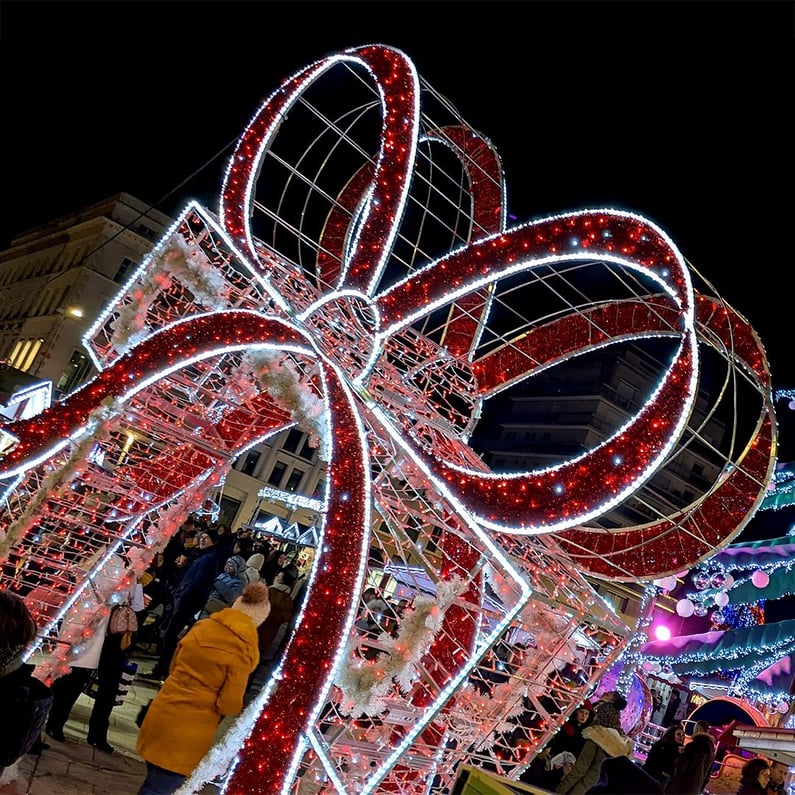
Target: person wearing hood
{"type": "Point", "coordinates": [206, 682]}
{"type": "Point", "coordinates": [228, 585]}
{"type": "Point", "coordinates": [603, 739]}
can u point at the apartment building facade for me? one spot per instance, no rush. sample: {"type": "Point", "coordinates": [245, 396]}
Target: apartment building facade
{"type": "Point", "coordinates": [56, 278]}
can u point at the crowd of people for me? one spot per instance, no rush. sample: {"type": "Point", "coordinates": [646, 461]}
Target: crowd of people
{"type": "Point", "coordinates": [202, 570]}
{"type": "Point", "coordinates": [592, 754]}
{"type": "Point", "coordinates": [218, 606]}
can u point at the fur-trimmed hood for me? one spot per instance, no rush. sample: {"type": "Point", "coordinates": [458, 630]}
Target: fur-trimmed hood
{"type": "Point", "coordinates": [611, 741]}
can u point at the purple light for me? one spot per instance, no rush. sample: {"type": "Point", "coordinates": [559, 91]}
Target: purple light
{"type": "Point", "coordinates": [661, 632]}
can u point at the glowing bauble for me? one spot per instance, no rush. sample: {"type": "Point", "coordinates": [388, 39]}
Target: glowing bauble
{"type": "Point", "coordinates": [717, 580]}
{"type": "Point", "coordinates": [700, 610]}
{"type": "Point", "coordinates": [668, 583]}
{"type": "Point", "coordinates": [718, 617]}
{"type": "Point", "coordinates": [729, 581]}
{"type": "Point", "coordinates": [721, 599]}
{"type": "Point", "coordinates": [760, 578]}
{"type": "Point", "coordinates": [701, 581]}
{"type": "Point", "coordinates": [783, 707]}
{"type": "Point", "coordinates": [684, 608]}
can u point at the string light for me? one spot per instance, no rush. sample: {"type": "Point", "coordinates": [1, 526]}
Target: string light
{"type": "Point", "coordinates": [214, 311]}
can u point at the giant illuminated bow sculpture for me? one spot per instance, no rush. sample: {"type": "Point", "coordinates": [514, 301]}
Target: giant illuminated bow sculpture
{"type": "Point", "coordinates": [398, 345]}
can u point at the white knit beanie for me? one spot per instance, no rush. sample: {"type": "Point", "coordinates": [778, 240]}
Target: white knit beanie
{"type": "Point", "coordinates": [253, 565]}
{"type": "Point", "coordinates": [254, 601]}
{"type": "Point", "coordinates": [257, 560]}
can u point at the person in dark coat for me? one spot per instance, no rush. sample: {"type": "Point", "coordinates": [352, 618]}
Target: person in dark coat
{"type": "Point", "coordinates": [754, 777]}
{"type": "Point", "coordinates": [569, 736]}
{"type": "Point", "coordinates": [604, 738]}
{"type": "Point", "coordinates": [669, 718]}
{"type": "Point", "coordinates": [270, 633]}
{"type": "Point", "coordinates": [664, 752]}
{"type": "Point", "coordinates": [189, 598]}
{"type": "Point", "coordinates": [277, 561]}
{"type": "Point", "coordinates": [24, 700]}
{"type": "Point", "coordinates": [777, 784]}
{"type": "Point", "coordinates": [226, 541]}
{"type": "Point", "coordinates": [621, 776]}
{"type": "Point", "coordinates": [228, 585]}
{"type": "Point", "coordinates": [694, 765]}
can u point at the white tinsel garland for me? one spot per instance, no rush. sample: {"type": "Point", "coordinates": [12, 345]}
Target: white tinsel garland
{"type": "Point", "coordinates": [279, 376]}
{"type": "Point", "coordinates": [365, 684]}
{"type": "Point", "coordinates": [180, 260]}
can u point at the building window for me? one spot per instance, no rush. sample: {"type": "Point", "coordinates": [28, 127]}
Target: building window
{"type": "Point", "coordinates": [123, 272]}
{"type": "Point", "coordinates": [277, 474]}
{"type": "Point", "coordinates": [24, 353]}
{"type": "Point", "coordinates": [294, 438]}
{"type": "Point", "coordinates": [145, 231]}
{"type": "Point", "coordinates": [75, 373]}
{"type": "Point", "coordinates": [250, 462]}
{"type": "Point", "coordinates": [229, 509]}
{"type": "Point", "coordinates": [293, 480]}
{"type": "Point", "coordinates": [307, 451]}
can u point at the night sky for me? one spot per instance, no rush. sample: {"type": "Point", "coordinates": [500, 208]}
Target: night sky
{"type": "Point", "coordinates": [680, 111]}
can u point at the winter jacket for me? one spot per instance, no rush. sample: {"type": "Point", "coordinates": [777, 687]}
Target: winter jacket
{"type": "Point", "coordinates": [621, 776]}
{"type": "Point", "coordinates": [207, 681]}
{"type": "Point", "coordinates": [194, 587]}
{"type": "Point", "coordinates": [661, 760]}
{"type": "Point", "coordinates": [693, 767]}
{"type": "Point", "coordinates": [25, 705]}
{"type": "Point", "coordinates": [600, 743]}
{"type": "Point", "coordinates": [281, 613]}
{"type": "Point", "coordinates": [228, 585]}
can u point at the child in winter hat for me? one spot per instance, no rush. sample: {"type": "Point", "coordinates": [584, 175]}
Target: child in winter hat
{"type": "Point", "coordinates": [254, 602]}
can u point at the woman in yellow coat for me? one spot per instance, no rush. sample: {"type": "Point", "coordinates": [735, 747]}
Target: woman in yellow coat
{"type": "Point", "coordinates": [206, 682]}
